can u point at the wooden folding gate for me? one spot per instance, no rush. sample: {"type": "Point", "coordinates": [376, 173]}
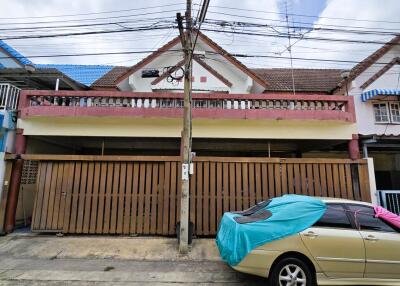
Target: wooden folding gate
{"type": "Point", "coordinates": [114, 196]}
{"type": "Point", "coordinates": [141, 195]}
{"type": "Point", "coordinates": [227, 184]}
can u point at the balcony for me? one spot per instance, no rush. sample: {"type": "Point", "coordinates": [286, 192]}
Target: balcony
{"type": "Point", "coordinates": [170, 105]}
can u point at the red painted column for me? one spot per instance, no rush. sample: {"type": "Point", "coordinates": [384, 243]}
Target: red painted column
{"type": "Point", "coordinates": [353, 148]}
{"type": "Point", "coordinates": [16, 173]}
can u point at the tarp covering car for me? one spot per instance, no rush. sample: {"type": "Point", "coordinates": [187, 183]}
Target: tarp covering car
{"type": "Point", "coordinates": [290, 214]}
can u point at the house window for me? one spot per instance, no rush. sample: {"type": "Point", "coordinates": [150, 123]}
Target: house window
{"type": "Point", "coordinates": [395, 112]}
{"type": "Point", "coordinates": [381, 113]}
{"type": "Point", "coordinates": [203, 79]}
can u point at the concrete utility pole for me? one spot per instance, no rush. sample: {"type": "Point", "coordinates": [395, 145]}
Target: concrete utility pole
{"type": "Point", "coordinates": [186, 40]}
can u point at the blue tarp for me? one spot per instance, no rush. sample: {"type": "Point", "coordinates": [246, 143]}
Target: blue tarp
{"type": "Point", "coordinates": [290, 214]}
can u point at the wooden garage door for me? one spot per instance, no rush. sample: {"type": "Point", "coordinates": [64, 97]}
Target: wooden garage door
{"type": "Point", "coordinates": [107, 197]}
{"type": "Point", "coordinates": [141, 195]}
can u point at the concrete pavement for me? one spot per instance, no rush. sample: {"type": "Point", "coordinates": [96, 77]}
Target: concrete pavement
{"type": "Point", "coordinates": [28, 259]}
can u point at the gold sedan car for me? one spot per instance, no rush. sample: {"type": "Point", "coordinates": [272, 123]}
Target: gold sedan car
{"type": "Point", "coordinates": [347, 246]}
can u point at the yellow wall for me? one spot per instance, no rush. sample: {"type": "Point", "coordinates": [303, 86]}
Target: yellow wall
{"type": "Point", "coordinates": [202, 128]}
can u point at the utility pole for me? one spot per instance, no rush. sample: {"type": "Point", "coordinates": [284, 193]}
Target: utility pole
{"type": "Point", "coordinates": [186, 40]}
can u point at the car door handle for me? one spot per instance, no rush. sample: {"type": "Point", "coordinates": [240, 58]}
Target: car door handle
{"type": "Point", "coordinates": [371, 238]}
{"type": "Point", "coordinates": [310, 234]}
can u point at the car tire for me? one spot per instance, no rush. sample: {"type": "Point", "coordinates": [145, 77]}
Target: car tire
{"type": "Point", "coordinates": [291, 269]}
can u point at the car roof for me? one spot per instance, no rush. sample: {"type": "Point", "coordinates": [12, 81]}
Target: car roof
{"type": "Point", "coordinates": [344, 201]}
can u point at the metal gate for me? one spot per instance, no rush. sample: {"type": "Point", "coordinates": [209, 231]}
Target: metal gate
{"type": "Point", "coordinates": [390, 200]}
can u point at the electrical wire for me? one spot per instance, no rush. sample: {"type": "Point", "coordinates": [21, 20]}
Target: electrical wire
{"type": "Point", "coordinates": [305, 15]}
{"type": "Point", "coordinates": [138, 29]}
{"type": "Point", "coordinates": [93, 13]}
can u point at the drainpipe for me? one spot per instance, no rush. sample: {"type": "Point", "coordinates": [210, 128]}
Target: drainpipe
{"type": "Point", "coordinates": [353, 148]}
{"type": "Point", "coordinates": [16, 173]}
{"type": "Point", "coordinates": [57, 83]}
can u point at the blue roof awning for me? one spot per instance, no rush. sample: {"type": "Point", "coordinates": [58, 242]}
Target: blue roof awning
{"type": "Point", "coordinates": [375, 92]}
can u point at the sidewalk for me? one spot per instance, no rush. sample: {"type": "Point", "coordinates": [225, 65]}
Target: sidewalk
{"type": "Point", "coordinates": [29, 259]}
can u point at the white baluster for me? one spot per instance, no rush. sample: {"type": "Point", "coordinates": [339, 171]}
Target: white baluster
{"type": "Point", "coordinates": [242, 104]}
{"type": "Point", "coordinates": [146, 103]}
{"type": "Point", "coordinates": [235, 104]}
{"type": "Point", "coordinates": [139, 103]}
{"type": "Point", "coordinates": [228, 104]}
{"type": "Point", "coordinates": [153, 103]}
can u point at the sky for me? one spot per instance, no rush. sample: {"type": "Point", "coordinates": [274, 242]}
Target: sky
{"type": "Point", "coordinates": [305, 18]}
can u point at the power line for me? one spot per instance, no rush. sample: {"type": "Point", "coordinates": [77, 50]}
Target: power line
{"type": "Point", "coordinates": [299, 36]}
{"type": "Point", "coordinates": [297, 22]}
{"type": "Point", "coordinates": [90, 54]}
{"type": "Point", "coordinates": [257, 25]}
{"type": "Point", "coordinates": [88, 19]}
{"type": "Point", "coordinates": [307, 16]}
{"type": "Point", "coordinates": [93, 13]}
{"type": "Point", "coordinates": [238, 55]}
{"type": "Point", "coordinates": [85, 25]}
{"type": "Point", "coordinates": [87, 33]}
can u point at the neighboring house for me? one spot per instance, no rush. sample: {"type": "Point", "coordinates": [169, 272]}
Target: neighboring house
{"type": "Point", "coordinates": [10, 58]}
{"type": "Point", "coordinates": [18, 73]}
{"type": "Point", "coordinates": [375, 85]}
{"type": "Point", "coordinates": [83, 74]}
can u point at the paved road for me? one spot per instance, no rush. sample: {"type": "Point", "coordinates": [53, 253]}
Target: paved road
{"type": "Point", "coordinates": [31, 271]}
{"type": "Point", "coordinates": [41, 260]}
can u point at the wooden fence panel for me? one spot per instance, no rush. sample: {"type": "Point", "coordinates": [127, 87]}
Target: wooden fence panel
{"type": "Point", "coordinates": [143, 196]}
{"type": "Point", "coordinates": [241, 182]}
{"type": "Point", "coordinates": [107, 197]}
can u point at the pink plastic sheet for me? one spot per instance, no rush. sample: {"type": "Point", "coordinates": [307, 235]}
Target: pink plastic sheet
{"type": "Point", "coordinates": [387, 216]}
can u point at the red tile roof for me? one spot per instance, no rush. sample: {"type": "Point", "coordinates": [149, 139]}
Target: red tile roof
{"type": "Point", "coordinates": [305, 80]}
{"type": "Point", "coordinates": [279, 79]}
{"type": "Point", "coordinates": [108, 80]}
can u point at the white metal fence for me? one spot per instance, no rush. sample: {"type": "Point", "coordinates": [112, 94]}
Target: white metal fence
{"type": "Point", "coordinates": [390, 200]}
{"type": "Point", "coordinates": [9, 96]}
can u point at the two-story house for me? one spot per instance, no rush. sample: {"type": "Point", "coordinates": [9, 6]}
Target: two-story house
{"type": "Point", "coordinates": [374, 84]}
{"type": "Point", "coordinates": [109, 158]}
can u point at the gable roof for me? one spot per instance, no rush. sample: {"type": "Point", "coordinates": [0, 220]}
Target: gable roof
{"type": "Point", "coordinates": [108, 80]}
{"type": "Point", "coordinates": [314, 80]}
{"type": "Point", "coordinates": [147, 60]}
{"type": "Point", "coordinates": [233, 60]}
{"type": "Point", "coordinates": [370, 60]}
{"type": "Point", "coordinates": [381, 72]}
{"type": "Point", "coordinates": [14, 54]}
{"type": "Point", "coordinates": [210, 43]}
{"type": "Point", "coordinates": [279, 79]}
{"type": "Point", "coordinates": [85, 74]}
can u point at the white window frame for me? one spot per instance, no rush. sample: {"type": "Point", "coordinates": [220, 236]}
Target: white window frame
{"type": "Point", "coordinates": [393, 110]}
{"type": "Point", "coordinates": [387, 112]}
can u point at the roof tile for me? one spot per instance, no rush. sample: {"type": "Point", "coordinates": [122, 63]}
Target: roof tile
{"type": "Point", "coordinates": [86, 74]}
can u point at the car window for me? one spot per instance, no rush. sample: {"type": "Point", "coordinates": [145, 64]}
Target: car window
{"type": "Point", "coordinates": [334, 216]}
{"type": "Point", "coordinates": [364, 217]}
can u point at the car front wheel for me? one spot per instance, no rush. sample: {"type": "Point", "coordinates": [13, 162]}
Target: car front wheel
{"type": "Point", "coordinates": [291, 272]}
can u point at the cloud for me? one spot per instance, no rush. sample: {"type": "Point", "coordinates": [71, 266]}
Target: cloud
{"type": "Point", "coordinates": [356, 9]}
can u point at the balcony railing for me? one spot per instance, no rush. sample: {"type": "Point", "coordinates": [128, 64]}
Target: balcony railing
{"type": "Point", "coordinates": [9, 96]}
{"type": "Point", "coordinates": [258, 106]}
